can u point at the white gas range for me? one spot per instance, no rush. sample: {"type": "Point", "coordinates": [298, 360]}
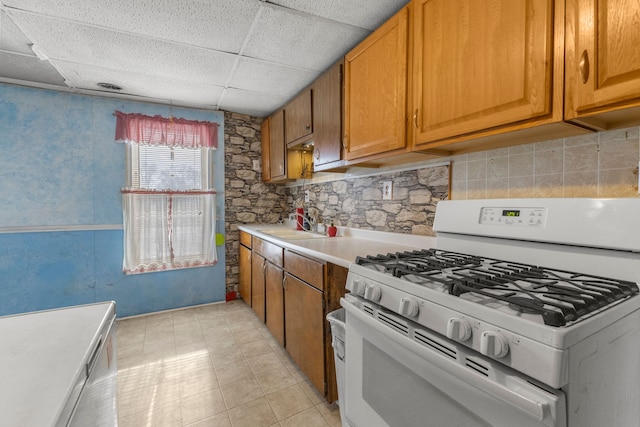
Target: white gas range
{"type": "Point", "coordinates": [526, 313]}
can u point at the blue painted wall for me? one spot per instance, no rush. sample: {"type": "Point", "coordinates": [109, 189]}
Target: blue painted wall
{"type": "Point", "coordinates": [60, 167]}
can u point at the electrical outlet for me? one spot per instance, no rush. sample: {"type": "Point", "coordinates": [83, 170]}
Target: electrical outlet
{"type": "Point", "coordinates": [306, 196]}
{"type": "Point", "coordinates": [387, 190]}
{"type": "Point", "coordinates": [256, 165]}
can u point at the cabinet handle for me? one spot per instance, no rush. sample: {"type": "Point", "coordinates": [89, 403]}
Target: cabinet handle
{"type": "Point", "coordinates": [264, 266]}
{"type": "Point", "coordinates": [317, 153]}
{"type": "Point", "coordinates": [307, 126]}
{"type": "Point", "coordinates": [284, 279]}
{"type": "Point", "coordinates": [584, 66]}
{"type": "Point", "coordinates": [415, 118]}
{"type": "Point", "coordinates": [344, 141]}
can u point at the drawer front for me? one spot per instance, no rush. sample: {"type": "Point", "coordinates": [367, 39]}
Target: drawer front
{"type": "Point", "coordinates": [245, 239]}
{"type": "Point", "coordinates": [305, 269]}
{"type": "Point", "coordinates": [273, 253]}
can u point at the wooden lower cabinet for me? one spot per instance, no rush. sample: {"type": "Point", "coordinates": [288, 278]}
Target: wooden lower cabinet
{"type": "Point", "coordinates": [304, 328]}
{"type": "Point", "coordinates": [258, 285]}
{"type": "Point", "coordinates": [244, 264]}
{"type": "Point", "coordinates": [274, 300]}
{"type": "Point", "coordinates": [292, 294]}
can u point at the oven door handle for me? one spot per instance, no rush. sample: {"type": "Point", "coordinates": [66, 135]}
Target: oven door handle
{"type": "Point", "coordinates": [538, 410]}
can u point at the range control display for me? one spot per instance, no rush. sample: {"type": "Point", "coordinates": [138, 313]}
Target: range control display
{"type": "Point", "coordinates": [521, 217]}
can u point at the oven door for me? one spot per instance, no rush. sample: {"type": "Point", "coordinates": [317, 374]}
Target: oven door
{"type": "Point", "coordinates": [398, 374]}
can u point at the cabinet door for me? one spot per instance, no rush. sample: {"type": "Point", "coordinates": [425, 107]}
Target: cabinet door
{"type": "Point", "coordinates": [244, 279]}
{"type": "Point", "coordinates": [479, 64]}
{"type": "Point", "coordinates": [298, 118]}
{"type": "Point", "coordinates": [327, 116]}
{"type": "Point", "coordinates": [375, 88]}
{"type": "Point", "coordinates": [304, 329]}
{"type": "Point", "coordinates": [602, 57]}
{"type": "Point", "coordinates": [266, 148]}
{"type": "Point", "coordinates": [277, 147]}
{"type": "Point", "coordinates": [257, 285]}
{"type": "Point", "coordinates": [274, 301]}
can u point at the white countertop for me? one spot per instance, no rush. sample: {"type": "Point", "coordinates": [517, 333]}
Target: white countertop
{"type": "Point", "coordinates": [347, 245]}
{"type": "Point", "coordinates": [42, 359]}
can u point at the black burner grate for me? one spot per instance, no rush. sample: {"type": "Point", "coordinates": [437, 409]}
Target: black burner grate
{"type": "Point", "coordinates": [559, 297]}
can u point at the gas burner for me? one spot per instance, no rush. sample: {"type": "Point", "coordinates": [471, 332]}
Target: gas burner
{"type": "Point", "coordinates": [525, 305]}
{"type": "Point", "coordinates": [557, 296]}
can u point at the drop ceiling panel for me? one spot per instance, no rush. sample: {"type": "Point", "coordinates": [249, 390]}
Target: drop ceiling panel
{"type": "Point", "coordinates": [137, 84]}
{"type": "Point", "coordinates": [215, 24]}
{"type": "Point", "coordinates": [267, 77]}
{"type": "Point", "coordinates": [246, 56]}
{"type": "Point", "coordinates": [11, 38]}
{"type": "Point", "coordinates": [78, 43]}
{"type": "Point", "coordinates": [301, 41]}
{"type": "Point", "coordinates": [27, 68]}
{"type": "Point", "coordinates": [369, 14]}
{"type": "Point", "coordinates": [253, 103]}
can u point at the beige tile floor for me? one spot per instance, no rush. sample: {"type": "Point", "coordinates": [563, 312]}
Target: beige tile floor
{"type": "Point", "coordinates": [213, 365]}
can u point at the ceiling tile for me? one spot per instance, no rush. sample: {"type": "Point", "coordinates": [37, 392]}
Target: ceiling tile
{"type": "Point", "coordinates": [369, 14]}
{"type": "Point", "coordinates": [214, 24]}
{"type": "Point", "coordinates": [267, 77]}
{"type": "Point", "coordinates": [164, 89]}
{"type": "Point", "coordinates": [11, 38]}
{"type": "Point", "coordinates": [71, 42]}
{"type": "Point", "coordinates": [252, 103]}
{"type": "Point", "coordinates": [301, 41]}
{"type": "Point", "coordinates": [30, 69]}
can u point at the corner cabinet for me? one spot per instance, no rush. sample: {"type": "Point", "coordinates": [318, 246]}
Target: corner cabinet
{"type": "Point", "coordinates": [277, 147]}
{"type": "Point", "coordinates": [375, 89]}
{"type": "Point", "coordinates": [266, 147]}
{"type": "Point", "coordinates": [603, 63]}
{"type": "Point", "coordinates": [244, 264]}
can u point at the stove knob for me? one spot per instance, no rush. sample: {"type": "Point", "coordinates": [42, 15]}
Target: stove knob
{"type": "Point", "coordinates": [458, 329]}
{"type": "Point", "coordinates": [372, 292]}
{"type": "Point", "coordinates": [409, 307]}
{"type": "Point", "coordinates": [357, 287]}
{"type": "Point", "coordinates": [493, 344]}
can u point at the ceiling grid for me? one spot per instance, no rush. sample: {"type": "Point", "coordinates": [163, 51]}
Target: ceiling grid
{"type": "Point", "coordinates": [244, 56]}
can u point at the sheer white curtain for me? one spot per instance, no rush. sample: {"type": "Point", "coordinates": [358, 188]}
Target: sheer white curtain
{"type": "Point", "coordinates": [167, 230]}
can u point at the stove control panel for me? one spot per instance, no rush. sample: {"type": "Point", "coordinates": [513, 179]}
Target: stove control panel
{"type": "Point", "coordinates": [514, 217]}
{"type": "Point", "coordinates": [458, 329]}
{"type": "Point", "coordinates": [493, 344]}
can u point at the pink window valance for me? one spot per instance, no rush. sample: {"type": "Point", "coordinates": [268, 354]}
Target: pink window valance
{"type": "Point", "coordinates": [172, 132]}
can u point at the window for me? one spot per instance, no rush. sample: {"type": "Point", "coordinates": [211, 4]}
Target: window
{"type": "Point", "coordinates": [168, 204]}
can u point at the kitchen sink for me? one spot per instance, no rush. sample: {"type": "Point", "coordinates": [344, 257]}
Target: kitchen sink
{"type": "Point", "coordinates": [290, 234]}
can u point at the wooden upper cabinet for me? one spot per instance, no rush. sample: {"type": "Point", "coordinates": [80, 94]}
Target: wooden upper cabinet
{"type": "Point", "coordinates": [277, 147]}
{"type": "Point", "coordinates": [375, 89]}
{"type": "Point", "coordinates": [480, 64]}
{"type": "Point", "coordinates": [602, 62]}
{"type": "Point", "coordinates": [266, 147]}
{"type": "Point", "coordinates": [327, 117]}
{"type": "Point", "coordinates": [298, 117]}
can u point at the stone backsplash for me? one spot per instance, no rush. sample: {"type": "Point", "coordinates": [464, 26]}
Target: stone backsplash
{"type": "Point", "coordinates": [247, 199]}
{"type": "Point", "coordinates": [353, 202]}
{"type": "Point", "coordinates": [358, 202]}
